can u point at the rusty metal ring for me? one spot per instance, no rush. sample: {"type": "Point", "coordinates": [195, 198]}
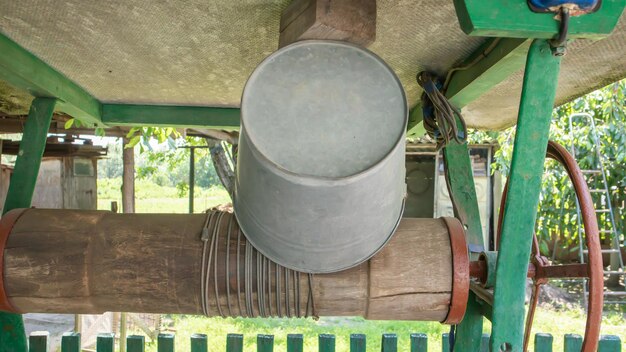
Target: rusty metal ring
{"type": "Point", "coordinates": [592, 239]}
{"type": "Point", "coordinates": [6, 226]}
{"type": "Point", "coordinates": [460, 265]}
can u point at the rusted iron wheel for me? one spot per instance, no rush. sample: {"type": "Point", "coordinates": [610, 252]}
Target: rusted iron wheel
{"type": "Point", "coordinates": [540, 269]}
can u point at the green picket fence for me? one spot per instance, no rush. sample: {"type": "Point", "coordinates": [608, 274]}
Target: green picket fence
{"type": "Point", "coordinates": [70, 342]}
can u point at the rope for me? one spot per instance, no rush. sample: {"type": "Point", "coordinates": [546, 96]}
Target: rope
{"type": "Point", "coordinates": [440, 117]}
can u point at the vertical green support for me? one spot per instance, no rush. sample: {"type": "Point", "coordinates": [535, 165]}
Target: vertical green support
{"type": "Point", "coordinates": [135, 343]}
{"type": "Point", "coordinates": [445, 342]}
{"type": "Point", "coordinates": [38, 342]}
{"type": "Point", "coordinates": [234, 343]}
{"type": "Point", "coordinates": [20, 194]}
{"type": "Point", "coordinates": [572, 343]}
{"type": "Point", "coordinates": [358, 343]}
{"type": "Point", "coordinates": [520, 211]}
{"type": "Point", "coordinates": [165, 343]}
{"type": "Point", "coordinates": [105, 342]}
{"type": "Point", "coordinates": [70, 342]}
{"type": "Point", "coordinates": [610, 343]}
{"type": "Point", "coordinates": [295, 343]}
{"type": "Point", "coordinates": [264, 343]}
{"type": "Point", "coordinates": [484, 343]}
{"type": "Point", "coordinates": [199, 343]}
{"type": "Point", "coordinates": [543, 342]}
{"type": "Point", "coordinates": [419, 343]}
{"type": "Point", "coordinates": [326, 343]}
{"type": "Point", "coordinates": [469, 332]}
{"type": "Point", "coordinates": [389, 343]}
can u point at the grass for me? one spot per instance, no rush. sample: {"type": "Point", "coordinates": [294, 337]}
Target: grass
{"type": "Point", "coordinates": [151, 198]}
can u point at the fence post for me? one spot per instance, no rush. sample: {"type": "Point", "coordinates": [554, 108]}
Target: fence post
{"type": "Point", "coordinates": [105, 342]}
{"type": "Point", "coordinates": [265, 343]}
{"type": "Point", "coordinates": [165, 343]}
{"type": "Point", "coordinates": [419, 343]}
{"type": "Point", "coordinates": [326, 343]}
{"type": "Point", "coordinates": [70, 342]}
{"type": "Point", "coordinates": [572, 343]}
{"type": "Point", "coordinates": [610, 343]}
{"type": "Point", "coordinates": [389, 343]}
{"type": "Point", "coordinates": [234, 343]}
{"type": "Point", "coordinates": [134, 343]}
{"type": "Point", "coordinates": [543, 342]}
{"type": "Point", "coordinates": [445, 342]}
{"type": "Point", "coordinates": [484, 343]}
{"type": "Point", "coordinates": [295, 343]}
{"type": "Point", "coordinates": [199, 343]}
{"type": "Point", "coordinates": [38, 341]}
{"type": "Point", "coordinates": [358, 342]}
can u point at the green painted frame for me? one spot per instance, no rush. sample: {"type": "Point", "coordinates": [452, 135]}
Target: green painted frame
{"type": "Point", "coordinates": [514, 19]}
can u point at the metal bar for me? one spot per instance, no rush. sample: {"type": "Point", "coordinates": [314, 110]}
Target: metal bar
{"type": "Point", "coordinates": [419, 343]}
{"type": "Point", "coordinates": [105, 342]}
{"type": "Point", "coordinates": [24, 70]}
{"type": "Point", "coordinates": [295, 343]}
{"type": "Point", "coordinates": [489, 65]}
{"type": "Point", "coordinates": [20, 195]}
{"type": "Point", "coordinates": [38, 342]}
{"type": "Point", "coordinates": [199, 343]}
{"type": "Point", "coordinates": [170, 116]}
{"type": "Point", "coordinates": [192, 177]}
{"type": "Point", "coordinates": [165, 343]}
{"type": "Point", "coordinates": [520, 210]}
{"type": "Point", "coordinates": [543, 342]}
{"type": "Point", "coordinates": [389, 343]}
{"type": "Point", "coordinates": [134, 343]}
{"type": "Point", "coordinates": [265, 343]}
{"type": "Point", "coordinates": [234, 343]}
{"type": "Point", "coordinates": [70, 342]}
{"type": "Point", "coordinates": [326, 343]}
{"type": "Point", "coordinates": [572, 343]}
{"type": "Point", "coordinates": [610, 343]}
{"type": "Point", "coordinates": [514, 19]}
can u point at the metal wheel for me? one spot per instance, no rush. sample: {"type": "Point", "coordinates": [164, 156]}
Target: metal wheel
{"type": "Point", "coordinates": [540, 269]}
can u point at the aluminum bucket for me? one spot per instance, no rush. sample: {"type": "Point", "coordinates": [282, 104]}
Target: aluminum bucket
{"type": "Point", "coordinates": [320, 169]}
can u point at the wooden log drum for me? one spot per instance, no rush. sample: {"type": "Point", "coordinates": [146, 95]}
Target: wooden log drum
{"type": "Point", "coordinates": [89, 262]}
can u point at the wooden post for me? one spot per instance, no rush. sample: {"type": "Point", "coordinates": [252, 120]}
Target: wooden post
{"type": "Point", "coordinates": [20, 195]}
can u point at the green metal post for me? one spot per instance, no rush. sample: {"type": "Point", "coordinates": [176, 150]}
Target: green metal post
{"type": "Point", "coordinates": [445, 342]}
{"type": "Point", "coordinates": [572, 343]}
{"type": "Point", "coordinates": [70, 342]}
{"type": "Point", "coordinates": [134, 343]}
{"type": "Point", "coordinates": [38, 342]}
{"type": "Point", "coordinates": [165, 343]}
{"type": "Point", "coordinates": [326, 343]}
{"type": "Point", "coordinates": [192, 177]}
{"type": "Point", "coordinates": [520, 211]}
{"type": "Point", "coordinates": [234, 343]}
{"type": "Point", "coordinates": [105, 342]}
{"type": "Point", "coordinates": [20, 194]}
{"type": "Point", "coordinates": [610, 343]}
{"type": "Point", "coordinates": [419, 343]}
{"type": "Point", "coordinates": [265, 343]}
{"type": "Point", "coordinates": [295, 343]}
{"type": "Point", "coordinates": [389, 343]}
{"type": "Point", "coordinates": [358, 342]}
{"type": "Point", "coordinates": [543, 342]}
{"type": "Point", "coordinates": [199, 343]}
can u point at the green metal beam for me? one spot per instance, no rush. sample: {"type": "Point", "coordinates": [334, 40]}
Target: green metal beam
{"type": "Point", "coordinates": [491, 64]}
{"type": "Point", "coordinates": [514, 19]}
{"type": "Point", "coordinates": [520, 211]}
{"type": "Point", "coordinates": [170, 116]}
{"type": "Point", "coordinates": [20, 195]}
{"type": "Point", "coordinates": [24, 70]}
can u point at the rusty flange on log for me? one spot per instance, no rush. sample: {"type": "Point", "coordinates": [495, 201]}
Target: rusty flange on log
{"type": "Point", "coordinates": [460, 263]}
{"type": "Point", "coordinates": [6, 225]}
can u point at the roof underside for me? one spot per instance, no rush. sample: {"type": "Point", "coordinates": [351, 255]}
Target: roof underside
{"type": "Point", "coordinates": [200, 52]}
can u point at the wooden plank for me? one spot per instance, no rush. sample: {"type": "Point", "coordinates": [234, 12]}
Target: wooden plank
{"type": "Point", "coordinates": [514, 19]}
{"type": "Point", "coordinates": [326, 343]}
{"type": "Point", "coordinates": [165, 343]}
{"type": "Point", "coordinates": [199, 343]}
{"type": "Point", "coordinates": [419, 343]}
{"type": "Point", "coordinates": [105, 342]}
{"type": "Point", "coordinates": [234, 343]}
{"type": "Point", "coordinates": [520, 211]}
{"type": "Point", "coordinates": [135, 343]}
{"type": "Point", "coordinates": [265, 343]}
{"type": "Point", "coordinates": [38, 341]}
{"type": "Point", "coordinates": [295, 343]}
{"type": "Point", "coordinates": [24, 70]}
{"type": "Point", "coordinates": [543, 342]}
{"type": "Point", "coordinates": [171, 116]}
{"type": "Point", "coordinates": [358, 343]}
{"type": "Point", "coordinates": [70, 342]}
{"type": "Point", "coordinates": [389, 343]}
